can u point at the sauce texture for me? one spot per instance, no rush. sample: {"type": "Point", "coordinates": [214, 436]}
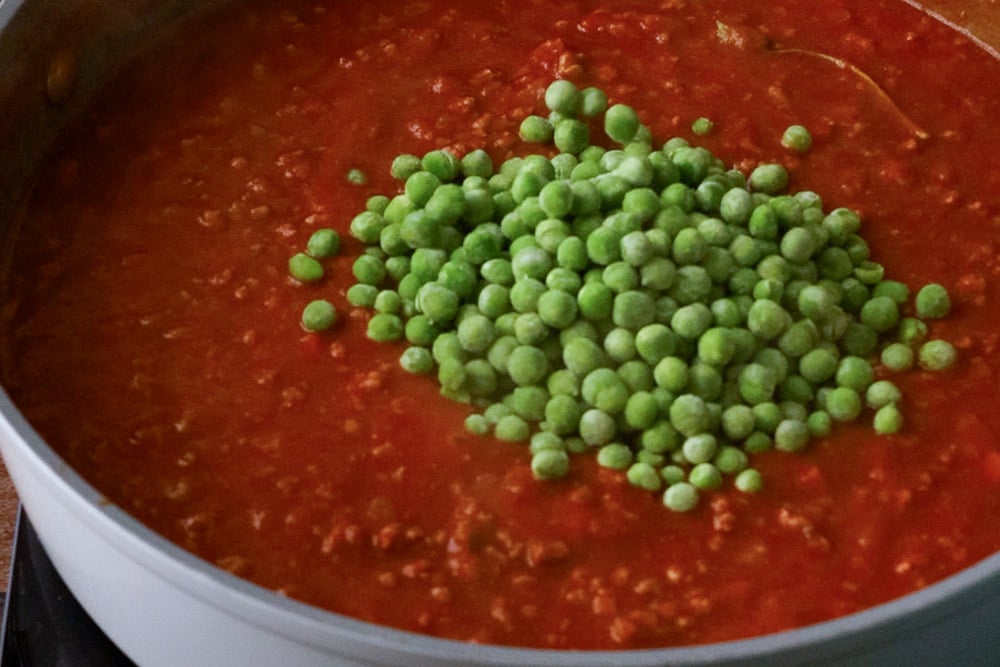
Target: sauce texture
{"type": "Point", "coordinates": [151, 331]}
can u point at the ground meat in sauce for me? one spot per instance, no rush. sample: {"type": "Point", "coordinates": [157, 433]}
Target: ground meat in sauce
{"type": "Point", "coordinates": [151, 290]}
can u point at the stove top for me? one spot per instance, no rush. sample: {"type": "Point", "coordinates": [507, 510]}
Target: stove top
{"type": "Point", "coordinates": [43, 624]}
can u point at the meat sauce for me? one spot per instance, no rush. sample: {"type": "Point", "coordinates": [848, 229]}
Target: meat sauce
{"type": "Point", "coordinates": [151, 331]}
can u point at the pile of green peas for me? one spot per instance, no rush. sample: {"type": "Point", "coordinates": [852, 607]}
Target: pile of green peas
{"type": "Point", "coordinates": [649, 305]}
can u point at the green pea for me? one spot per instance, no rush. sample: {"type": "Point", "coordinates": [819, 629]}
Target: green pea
{"type": "Point", "coordinates": [323, 243]}
{"type": "Point", "coordinates": [757, 383]}
{"type": "Point", "coordinates": [680, 497]}
{"type": "Point", "coordinates": [881, 313]}
{"type": "Point", "coordinates": [912, 330]}
{"type": "Point", "coordinates": [362, 296]}
{"type": "Point", "coordinates": [562, 414]}
{"type": "Point", "coordinates": [369, 270]}
{"type": "Point", "coordinates": [583, 356]}
{"type": "Point", "coordinates": [621, 123]}
{"type": "Point", "coordinates": [736, 206]}
{"type": "Point", "coordinates": [319, 315]}
{"type": "Point", "coordinates": [791, 435]}
{"type": "Point", "coordinates": [798, 244]}
{"type": "Point", "coordinates": [416, 359]}
{"type": "Point", "coordinates": [749, 481]}
{"type": "Point", "coordinates": [404, 166]}
{"type": "Point", "coordinates": [937, 355]}
{"type": "Point", "coordinates": [855, 373]}
{"type": "Point", "coordinates": [932, 301]}
{"type": "Point", "coordinates": [887, 420]}
{"type": "Point", "coordinates": [769, 179]}
{"type": "Point", "coordinates": [632, 309]}
{"type": "Point", "coordinates": [571, 135]}
{"type": "Point", "coordinates": [557, 308]}
{"type": "Point", "coordinates": [477, 162]}
{"type": "Point", "coordinates": [477, 424]}
{"type": "Point", "coordinates": [512, 428]}
{"type": "Point", "coordinates": [819, 423]}
{"type": "Point", "coordinates": [859, 340]}
{"type": "Point", "coordinates": [767, 320]}
{"type": "Point", "coordinates": [419, 330]}
{"type": "Point", "coordinates": [691, 321]}
{"type": "Point", "coordinates": [644, 476]}
{"type": "Point", "coordinates": [882, 393]}
{"type": "Point", "coordinates": [442, 164]}
{"type": "Point", "coordinates": [384, 327]}
{"type": "Point", "coordinates": [702, 126]}
{"type": "Point", "coordinates": [525, 293]}
{"type": "Point", "coordinates": [597, 427]}
{"type": "Point", "coordinates": [593, 102]}
{"type": "Point", "coordinates": [730, 460]}
{"type": "Point", "coordinates": [700, 448]}
{"type": "Point", "coordinates": [476, 333]}
{"type": "Point", "coordinates": [690, 415]}
{"type": "Point", "coordinates": [528, 402]}
{"type": "Point", "coordinates": [304, 268]}
{"type": "Point", "coordinates": [818, 365]}
{"type": "Point", "coordinates": [843, 404]}
{"type": "Point", "coordinates": [563, 97]}
{"type": "Point", "coordinates": [437, 302]}
{"type": "Point", "coordinates": [757, 442]}
{"type": "Point", "coordinates": [797, 138]}
{"type": "Point", "coordinates": [367, 226]}
{"type": "Point", "coordinates": [717, 346]}
{"type": "Point", "coordinates": [527, 365]}
{"type": "Point", "coordinates": [898, 357]}
{"type": "Point", "coordinates": [869, 273]}
{"type": "Point", "coordinates": [892, 289]}
{"type": "Point", "coordinates": [692, 162]}
{"type": "Point", "coordinates": [549, 464]}
{"type": "Point", "coordinates": [616, 456]}
{"type": "Point", "coordinates": [705, 476]}
{"type": "Point", "coordinates": [620, 277]}
{"type": "Point", "coordinates": [446, 205]}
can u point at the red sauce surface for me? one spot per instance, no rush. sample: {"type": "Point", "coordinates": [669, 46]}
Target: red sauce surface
{"type": "Point", "coordinates": [152, 336]}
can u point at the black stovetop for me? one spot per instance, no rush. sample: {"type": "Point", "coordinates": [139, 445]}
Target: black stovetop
{"type": "Point", "coordinates": [43, 624]}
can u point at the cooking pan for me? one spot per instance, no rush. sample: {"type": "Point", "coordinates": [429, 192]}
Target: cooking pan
{"type": "Point", "coordinates": [164, 606]}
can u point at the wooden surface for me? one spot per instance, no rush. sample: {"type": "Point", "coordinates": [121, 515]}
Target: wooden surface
{"type": "Point", "coordinates": [8, 515]}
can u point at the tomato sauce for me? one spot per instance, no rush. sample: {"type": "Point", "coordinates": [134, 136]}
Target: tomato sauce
{"type": "Point", "coordinates": [151, 331]}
